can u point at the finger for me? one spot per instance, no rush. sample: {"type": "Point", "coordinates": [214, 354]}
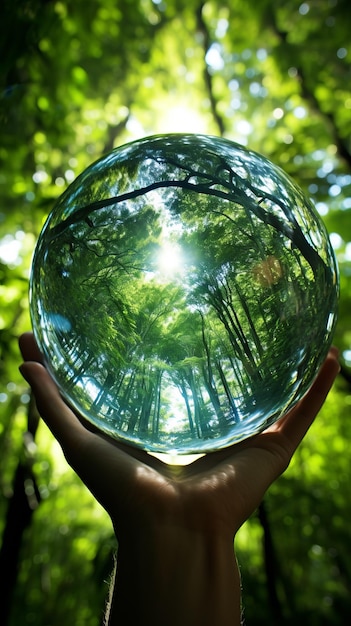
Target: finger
{"type": "Point", "coordinates": [29, 348]}
{"type": "Point", "coordinates": [62, 422]}
{"type": "Point", "coordinates": [66, 427]}
{"type": "Point", "coordinates": [333, 350]}
{"type": "Point", "coordinates": [297, 422]}
{"type": "Point", "coordinates": [293, 426]}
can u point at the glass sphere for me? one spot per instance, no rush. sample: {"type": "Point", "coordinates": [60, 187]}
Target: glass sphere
{"type": "Point", "coordinates": [183, 292]}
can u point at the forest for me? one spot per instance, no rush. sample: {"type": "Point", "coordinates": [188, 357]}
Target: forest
{"type": "Point", "coordinates": [78, 79]}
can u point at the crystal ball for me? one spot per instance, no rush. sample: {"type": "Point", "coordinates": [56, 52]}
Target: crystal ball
{"type": "Point", "coordinates": [183, 293]}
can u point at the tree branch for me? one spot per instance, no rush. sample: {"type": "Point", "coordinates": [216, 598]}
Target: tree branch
{"type": "Point", "coordinates": [235, 190]}
{"type": "Point", "coordinates": [208, 78]}
{"type": "Point", "coordinates": [289, 51]}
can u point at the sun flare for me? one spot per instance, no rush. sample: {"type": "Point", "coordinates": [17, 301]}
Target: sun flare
{"type": "Point", "coordinates": [181, 118]}
{"type": "Point", "coordinates": [170, 259]}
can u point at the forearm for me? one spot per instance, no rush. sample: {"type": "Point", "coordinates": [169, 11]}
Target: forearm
{"type": "Point", "coordinates": [178, 577]}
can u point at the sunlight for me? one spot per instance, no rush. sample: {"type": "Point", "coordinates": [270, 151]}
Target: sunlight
{"type": "Point", "coordinates": [10, 250]}
{"type": "Point", "coordinates": [176, 459]}
{"type": "Point", "coordinates": [181, 118]}
{"type": "Point", "coordinates": [170, 259]}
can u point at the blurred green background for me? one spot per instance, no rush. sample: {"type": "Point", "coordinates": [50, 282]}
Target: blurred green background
{"type": "Point", "coordinates": [79, 77]}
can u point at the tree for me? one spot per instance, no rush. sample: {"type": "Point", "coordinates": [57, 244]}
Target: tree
{"type": "Point", "coordinates": [79, 78]}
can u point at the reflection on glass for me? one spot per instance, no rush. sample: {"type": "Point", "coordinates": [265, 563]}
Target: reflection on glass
{"type": "Point", "coordinates": [183, 292]}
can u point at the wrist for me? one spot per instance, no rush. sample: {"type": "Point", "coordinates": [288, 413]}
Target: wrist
{"type": "Point", "coordinates": [188, 577]}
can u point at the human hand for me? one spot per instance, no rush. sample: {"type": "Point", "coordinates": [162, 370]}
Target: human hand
{"type": "Point", "coordinates": [175, 525]}
{"type": "Point", "coordinates": [133, 485]}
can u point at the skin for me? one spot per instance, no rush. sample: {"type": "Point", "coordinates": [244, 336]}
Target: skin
{"type": "Point", "coordinates": [175, 526]}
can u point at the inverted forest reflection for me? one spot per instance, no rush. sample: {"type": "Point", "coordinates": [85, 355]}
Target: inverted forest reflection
{"type": "Point", "coordinates": [183, 292]}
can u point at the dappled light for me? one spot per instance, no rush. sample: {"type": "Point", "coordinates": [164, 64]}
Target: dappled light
{"type": "Point", "coordinates": [78, 79]}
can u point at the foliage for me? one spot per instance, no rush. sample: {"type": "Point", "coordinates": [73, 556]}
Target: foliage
{"type": "Point", "coordinates": [80, 77]}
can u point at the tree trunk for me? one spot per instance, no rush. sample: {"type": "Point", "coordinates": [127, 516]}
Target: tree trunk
{"type": "Point", "coordinates": [25, 499]}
